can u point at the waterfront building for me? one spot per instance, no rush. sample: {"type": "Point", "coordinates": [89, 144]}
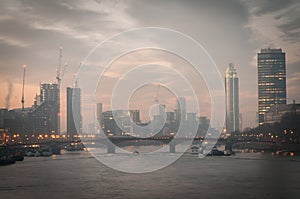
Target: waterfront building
{"type": "Point", "coordinates": [99, 113]}
{"type": "Point", "coordinates": [15, 121]}
{"type": "Point", "coordinates": [135, 116]}
{"type": "Point", "coordinates": [45, 114]}
{"type": "Point", "coordinates": [74, 118]}
{"type": "Point", "coordinates": [232, 99]}
{"type": "Point", "coordinates": [276, 113]}
{"type": "Point", "coordinates": [203, 126]}
{"type": "Point", "coordinates": [271, 68]}
{"type": "Point", "coordinates": [109, 125]}
{"type": "Point", "coordinates": [191, 122]}
{"type": "Point", "coordinates": [135, 119]}
{"type": "Point", "coordinates": [180, 110]}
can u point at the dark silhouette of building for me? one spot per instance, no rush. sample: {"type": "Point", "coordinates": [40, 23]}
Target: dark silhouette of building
{"type": "Point", "coordinates": [135, 116]}
{"type": "Point", "coordinates": [271, 80]}
{"type": "Point", "coordinates": [74, 119]}
{"type": "Point", "coordinates": [278, 111]}
{"type": "Point", "coordinates": [203, 126]}
{"type": "Point", "coordinates": [108, 124]}
{"type": "Point", "coordinates": [44, 117]}
{"type": "Point", "coordinates": [15, 121]}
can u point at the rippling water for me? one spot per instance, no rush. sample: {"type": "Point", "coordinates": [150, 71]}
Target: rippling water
{"type": "Point", "coordinates": [79, 175]}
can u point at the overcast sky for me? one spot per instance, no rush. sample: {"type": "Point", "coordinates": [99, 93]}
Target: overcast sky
{"type": "Point", "coordinates": [231, 31]}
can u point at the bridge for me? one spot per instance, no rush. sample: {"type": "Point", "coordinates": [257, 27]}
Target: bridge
{"type": "Point", "coordinates": [55, 145]}
{"type": "Point", "coordinates": [123, 141]}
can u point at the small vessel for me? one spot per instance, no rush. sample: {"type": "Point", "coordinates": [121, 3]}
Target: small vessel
{"type": "Point", "coordinates": [194, 150]}
{"type": "Point", "coordinates": [6, 159]}
{"type": "Point", "coordinates": [75, 147]}
{"type": "Point", "coordinates": [136, 153]}
{"type": "Point", "coordinates": [215, 152]}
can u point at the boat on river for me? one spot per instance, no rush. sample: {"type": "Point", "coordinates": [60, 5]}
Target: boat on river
{"type": "Point", "coordinates": [216, 152]}
{"type": "Point", "coordinates": [7, 159]}
{"type": "Point", "coordinates": [194, 150]}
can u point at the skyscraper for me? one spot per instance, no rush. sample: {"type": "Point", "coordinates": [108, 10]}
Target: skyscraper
{"type": "Point", "coordinates": [232, 99]}
{"type": "Point", "coordinates": [271, 80]}
{"type": "Point", "coordinates": [45, 114]}
{"type": "Point", "coordinates": [74, 119]}
{"type": "Point", "coordinates": [49, 92]}
{"type": "Point", "coordinates": [180, 109]}
{"type": "Point", "coordinates": [99, 114]}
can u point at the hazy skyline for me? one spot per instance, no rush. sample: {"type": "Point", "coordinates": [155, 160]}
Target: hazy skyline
{"type": "Point", "coordinates": [231, 31]}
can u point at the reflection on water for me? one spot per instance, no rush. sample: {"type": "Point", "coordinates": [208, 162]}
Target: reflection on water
{"type": "Point", "coordinates": [80, 175]}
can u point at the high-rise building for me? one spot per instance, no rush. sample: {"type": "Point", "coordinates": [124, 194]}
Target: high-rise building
{"type": "Point", "coordinates": [45, 114]}
{"type": "Point", "coordinates": [99, 114]}
{"type": "Point", "coordinates": [271, 80]}
{"type": "Point", "coordinates": [203, 126]}
{"type": "Point", "coordinates": [74, 119]}
{"type": "Point", "coordinates": [232, 99]}
{"type": "Point", "coordinates": [135, 116]}
{"type": "Point", "coordinates": [170, 117]}
{"type": "Point", "coordinates": [191, 122]}
{"type": "Point", "coordinates": [49, 92]}
{"type": "Point", "coordinates": [180, 110]}
{"type": "Point", "coordinates": [135, 119]}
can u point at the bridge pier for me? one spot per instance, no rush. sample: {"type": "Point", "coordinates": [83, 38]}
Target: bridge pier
{"type": "Point", "coordinates": [228, 147]}
{"type": "Point", "coordinates": [172, 147]}
{"type": "Point", "coordinates": [55, 149]}
{"type": "Point", "coordinates": [111, 147]}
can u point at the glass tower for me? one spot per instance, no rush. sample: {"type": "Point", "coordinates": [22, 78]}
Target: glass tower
{"type": "Point", "coordinates": [271, 80]}
{"type": "Point", "coordinates": [232, 99]}
{"type": "Point", "coordinates": [74, 120]}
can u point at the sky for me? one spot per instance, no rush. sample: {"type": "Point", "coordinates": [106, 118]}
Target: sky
{"type": "Point", "coordinates": [231, 31]}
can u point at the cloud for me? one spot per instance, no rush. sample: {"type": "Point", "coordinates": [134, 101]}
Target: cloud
{"type": "Point", "coordinates": [231, 31]}
{"type": "Point", "coordinates": [275, 24]}
{"type": "Point", "coordinates": [13, 42]}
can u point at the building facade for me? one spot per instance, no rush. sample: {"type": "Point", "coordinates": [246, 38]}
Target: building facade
{"type": "Point", "coordinates": [278, 111]}
{"type": "Point", "coordinates": [74, 118]}
{"type": "Point", "coordinates": [180, 111]}
{"type": "Point", "coordinates": [232, 99]}
{"type": "Point", "coordinates": [45, 114]}
{"type": "Point", "coordinates": [271, 68]}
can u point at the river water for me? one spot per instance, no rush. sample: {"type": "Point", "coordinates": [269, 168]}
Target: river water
{"type": "Point", "coordinates": [80, 175]}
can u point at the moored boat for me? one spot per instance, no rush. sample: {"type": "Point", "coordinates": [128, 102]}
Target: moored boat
{"type": "Point", "coordinates": [7, 159]}
{"type": "Point", "coordinates": [194, 150]}
{"type": "Point", "coordinates": [215, 152]}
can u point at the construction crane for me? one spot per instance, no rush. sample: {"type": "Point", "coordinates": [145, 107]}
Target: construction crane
{"type": "Point", "coordinates": [58, 69]}
{"type": "Point", "coordinates": [59, 76]}
{"type": "Point", "coordinates": [76, 78]}
{"type": "Point", "coordinates": [23, 87]}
